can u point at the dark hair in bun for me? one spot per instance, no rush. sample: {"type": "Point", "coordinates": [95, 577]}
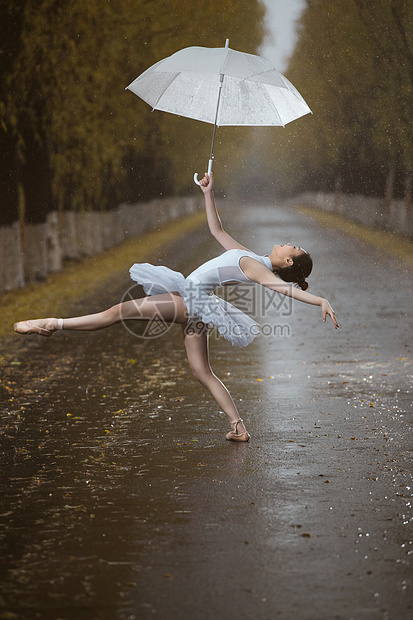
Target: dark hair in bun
{"type": "Point", "coordinates": [298, 271]}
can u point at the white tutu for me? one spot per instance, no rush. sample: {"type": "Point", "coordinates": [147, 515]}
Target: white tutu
{"type": "Point", "coordinates": [232, 323]}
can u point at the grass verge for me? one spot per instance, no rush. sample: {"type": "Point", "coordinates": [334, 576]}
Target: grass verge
{"type": "Point", "coordinates": [400, 248]}
{"type": "Point", "coordinates": [82, 278]}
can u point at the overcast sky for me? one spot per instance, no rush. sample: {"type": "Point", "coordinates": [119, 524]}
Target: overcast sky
{"type": "Point", "coordinates": [281, 17]}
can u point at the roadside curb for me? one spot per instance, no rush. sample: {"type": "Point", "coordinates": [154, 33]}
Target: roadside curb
{"type": "Point", "coordinates": [388, 242]}
{"type": "Point", "coordinates": [81, 278]}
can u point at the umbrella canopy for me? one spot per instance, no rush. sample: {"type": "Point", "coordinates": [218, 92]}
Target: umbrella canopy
{"type": "Point", "coordinates": [220, 86]}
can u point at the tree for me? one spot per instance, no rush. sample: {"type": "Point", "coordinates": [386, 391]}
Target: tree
{"type": "Point", "coordinates": [353, 64]}
{"type": "Point", "coordinates": [11, 18]}
{"type": "Point", "coordinates": [77, 139]}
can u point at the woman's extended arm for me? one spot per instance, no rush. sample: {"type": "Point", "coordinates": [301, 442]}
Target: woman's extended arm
{"type": "Point", "coordinates": [282, 287]}
{"type": "Point", "coordinates": [307, 298]}
{"type": "Point", "coordinates": [214, 222]}
{"type": "Point", "coordinates": [260, 274]}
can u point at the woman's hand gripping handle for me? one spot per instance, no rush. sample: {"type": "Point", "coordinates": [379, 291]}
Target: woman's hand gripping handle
{"type": "Point", "coordinates": [207, 183]}
{"type": "Point", "coordinates": [209, 172]}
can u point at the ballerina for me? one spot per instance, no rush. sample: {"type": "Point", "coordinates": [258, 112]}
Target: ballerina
{"type": "Point", "coordinates": [192, 303]}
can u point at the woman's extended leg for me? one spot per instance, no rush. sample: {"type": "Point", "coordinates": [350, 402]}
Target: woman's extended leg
{"type": "Point", "coordinates": [196, 345]}
{"type": "Point", "coordinates": [169, 306]}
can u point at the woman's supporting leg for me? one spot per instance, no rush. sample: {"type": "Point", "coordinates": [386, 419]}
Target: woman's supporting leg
{"type": "Point", "coordinates": [196, 345]}
{"type": "Point", "coordinates": [169, 306]}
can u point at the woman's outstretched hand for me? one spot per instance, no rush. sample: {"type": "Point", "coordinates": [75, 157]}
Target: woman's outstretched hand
{"type": "Point", "coordinates": [327, 309]}
{"type": "Point", "coordinates": [207, 183]}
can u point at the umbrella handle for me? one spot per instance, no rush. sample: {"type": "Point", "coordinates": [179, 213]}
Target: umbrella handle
{"type": "Point", "coordinates": [209, 172]}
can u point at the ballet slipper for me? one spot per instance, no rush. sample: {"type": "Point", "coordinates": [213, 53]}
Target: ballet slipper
{"type": "Point", "coordinates": [234, 436]}
{"type": "Point", "coordinates": [27, 327]}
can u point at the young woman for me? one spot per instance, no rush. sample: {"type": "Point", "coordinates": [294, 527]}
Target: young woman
{"type": "Point", "coordinates": [191, 302]}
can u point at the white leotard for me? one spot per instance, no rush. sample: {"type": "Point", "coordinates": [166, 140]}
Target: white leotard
{"type": "Point", "coordinates": [225, 269]}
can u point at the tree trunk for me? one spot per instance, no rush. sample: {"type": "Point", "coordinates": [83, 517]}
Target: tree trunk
{"type": "Point", "coordinates": [408, 185]}
{"type": "Point", "coordinates": [36, 179]}
{"type": "Point", "coordinates": [338, 188]}
{"type": "Point", "coordinates": [9, 200]}
{"type": "Point", "coordinates": [11, 20]}
{"type": "Point", "coordinates": [388, 197]}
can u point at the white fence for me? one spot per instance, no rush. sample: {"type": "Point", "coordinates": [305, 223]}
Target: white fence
{"type": "Point", "coordinates": [395, 217]}
{"type": "Point", "coordinates": [31, 252]}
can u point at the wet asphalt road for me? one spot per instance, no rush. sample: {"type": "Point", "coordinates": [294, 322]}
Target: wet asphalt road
{"type": "Point", "coordinates": [121, 499]}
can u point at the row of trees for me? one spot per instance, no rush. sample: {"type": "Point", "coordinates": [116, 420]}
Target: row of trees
{"type": "Point", "coordinates": [71, 137]}
{"type": "Point", "coordinates": [353, 63]}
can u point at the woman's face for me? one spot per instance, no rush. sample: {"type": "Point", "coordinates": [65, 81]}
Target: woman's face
{"type": "Point", "coordinates": [286, 251]}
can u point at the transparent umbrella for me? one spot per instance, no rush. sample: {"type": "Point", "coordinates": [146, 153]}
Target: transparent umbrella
{"type": "Point", "coordinates": [220, 86]}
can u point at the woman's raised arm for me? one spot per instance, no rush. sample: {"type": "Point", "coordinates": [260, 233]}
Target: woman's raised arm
{"type": "Point", "coordinates": [214, 222]}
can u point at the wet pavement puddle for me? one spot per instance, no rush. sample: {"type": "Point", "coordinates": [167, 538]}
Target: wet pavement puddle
{"type": "Point", "coordinates": [121, 498]}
